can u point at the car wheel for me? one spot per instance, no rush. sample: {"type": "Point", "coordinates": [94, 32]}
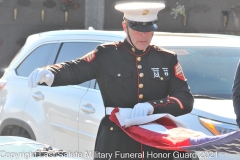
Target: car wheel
{"type": "Point", "coordinates": [14, 130]}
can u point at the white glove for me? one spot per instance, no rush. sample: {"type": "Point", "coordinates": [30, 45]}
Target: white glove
{"type": "Point", "coordinates": [142, 109]}
{"type": "Point", "coordinates": [40, 75]}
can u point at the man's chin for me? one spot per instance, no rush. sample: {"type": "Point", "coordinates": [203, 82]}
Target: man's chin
{"type": "Point", "coordinates": [142, 47]}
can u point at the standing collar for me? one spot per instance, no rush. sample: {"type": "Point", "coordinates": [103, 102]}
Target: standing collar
{"type": "Point", "coordinates": [136, 52]}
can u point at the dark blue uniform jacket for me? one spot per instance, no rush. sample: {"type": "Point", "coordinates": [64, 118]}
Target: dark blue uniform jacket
{"type": "Point", "coordinates": [127, 77]}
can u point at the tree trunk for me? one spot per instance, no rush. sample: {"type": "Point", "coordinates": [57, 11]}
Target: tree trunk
{"type": "Point", "coordinates": [225, 20]}
{"type": "Point", "coordinates": [185, 20]}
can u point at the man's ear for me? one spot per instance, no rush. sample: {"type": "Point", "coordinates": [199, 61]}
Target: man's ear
{"type": "Point", "coordinates": [124, 25]}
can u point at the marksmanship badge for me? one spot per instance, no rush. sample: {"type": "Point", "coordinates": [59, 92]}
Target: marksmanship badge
{"type": "Point", "coordinates": [165, 70]}
{"type": "Point", "coordinates": [156, 72]}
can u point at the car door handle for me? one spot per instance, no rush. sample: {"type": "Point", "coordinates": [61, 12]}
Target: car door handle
{"type": "Point", "coordinates": [38, 95]}
{"type": "Point", "coordinates": [88, 109]}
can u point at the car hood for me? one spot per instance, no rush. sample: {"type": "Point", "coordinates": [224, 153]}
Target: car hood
{"type": "Point", "coordinates": [220, 110]}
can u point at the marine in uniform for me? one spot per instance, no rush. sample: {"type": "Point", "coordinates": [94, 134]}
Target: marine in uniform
{"type": "Point", "coordinates": [128, 77]}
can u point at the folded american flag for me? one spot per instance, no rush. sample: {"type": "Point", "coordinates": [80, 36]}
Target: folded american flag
{"type": "Point", "coordinates": [164, 131]}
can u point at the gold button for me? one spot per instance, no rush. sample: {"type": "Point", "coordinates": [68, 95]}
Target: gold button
{"type": "Point", "coordinates": [154, 102]}
{"type": "Point", "coordinates": [139, 59]}
{"type": "Point", "coordinates": [133, 49]}
{"type": "Point", "coordinates": [161, 101]}
{"type": "Point", "coordinates": [141, 75]}
{"type": "Point", "coordinates": [119, 75]}
{"type": "Point", "coordinates": [168, 100]}
{"type": "Point", "coordinates": [144, 50]}
{"type": "Point", "coordinates": [161, 78]}
{"type": "Point", "coordinates": [140, 96]}
{"type": "Point", "coordinates": [111, 128]}
{"type": "Point", "coordinates": [140, 85]}
{"type": "Point", "coordinates": [139, 67]}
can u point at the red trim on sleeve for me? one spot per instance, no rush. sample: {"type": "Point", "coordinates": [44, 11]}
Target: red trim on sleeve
{"type": "Point", "coordinates": [178, 101]}
{"type": "Point", "coordinates": [156, 105]}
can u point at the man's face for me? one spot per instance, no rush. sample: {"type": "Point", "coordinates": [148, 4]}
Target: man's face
{"type": "Point", "coordinates": [140, 40]}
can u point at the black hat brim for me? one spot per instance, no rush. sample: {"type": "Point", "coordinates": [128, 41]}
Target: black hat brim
{"type": "Point", "coordinates": [144, 28]}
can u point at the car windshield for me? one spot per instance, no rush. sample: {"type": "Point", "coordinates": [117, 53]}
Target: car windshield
{"type": "Point", "coordinates": [209, 71]}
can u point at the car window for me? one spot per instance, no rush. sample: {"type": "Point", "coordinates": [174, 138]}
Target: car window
{"type": "Point", "coordinates": [209, 70]}
{"type": "Point", "coordinates": [97, 86]}
{"type": "Point", "coordinates": [36, 59]}
{"type": "Point", "coordinates": [73, 50]}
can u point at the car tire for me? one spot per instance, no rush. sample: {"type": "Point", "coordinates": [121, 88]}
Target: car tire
{"type": "Point", "coordinates": [14, 130]}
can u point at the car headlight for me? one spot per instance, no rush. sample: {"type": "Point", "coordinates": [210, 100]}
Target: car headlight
{"type": "Point", "coordinates": [216, 127]}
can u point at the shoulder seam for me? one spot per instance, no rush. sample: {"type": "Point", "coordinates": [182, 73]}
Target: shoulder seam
{"type": "Point", "coordinates": [116, 44]}
{"type": "Point", "coordinates": [159, 49]}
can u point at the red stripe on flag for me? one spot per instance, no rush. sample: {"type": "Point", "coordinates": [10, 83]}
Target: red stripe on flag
{"type": "Point", "coordinates": [150, 138]}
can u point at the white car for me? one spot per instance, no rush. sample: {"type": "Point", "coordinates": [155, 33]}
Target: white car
{"type": "Point", "coordinates": [68, 117]}
{"type": "Point", "coordinates": [19, 148]}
